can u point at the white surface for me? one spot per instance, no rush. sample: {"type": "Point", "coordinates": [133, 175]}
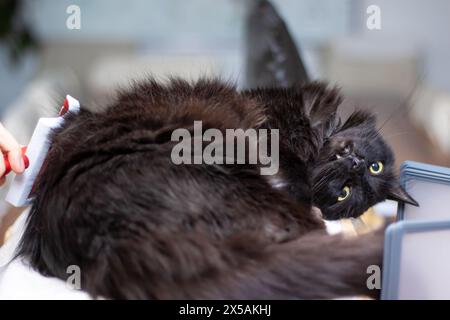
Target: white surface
{"type": "Point", "coordinates": [434, 200]}
{"type": "Point", "coordinates": [425, 266]}
{"type": "Point", "coordinates": [19, 281]}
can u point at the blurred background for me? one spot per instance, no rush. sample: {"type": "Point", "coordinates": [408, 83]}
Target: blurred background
{"type": "Point", "coordinates": [400, 71]}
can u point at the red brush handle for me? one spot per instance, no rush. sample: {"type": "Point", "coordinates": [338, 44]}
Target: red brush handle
{"type": "Point", "coordinates": [64, 108]}
{"type": "Point", "coordinates": [8, 165]}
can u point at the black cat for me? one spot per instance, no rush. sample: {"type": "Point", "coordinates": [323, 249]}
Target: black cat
{"type": "Point", "coordinates": [350, 166]}
{"type": "Point", "coordinates": [111, 201]}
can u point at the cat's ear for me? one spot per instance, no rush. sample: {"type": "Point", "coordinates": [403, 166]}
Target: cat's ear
{"type": "Point", "coordinates": [397, 193]}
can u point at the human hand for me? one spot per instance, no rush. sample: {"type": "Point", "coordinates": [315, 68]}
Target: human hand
{"type": "Point", "coordinates": [12, 152]}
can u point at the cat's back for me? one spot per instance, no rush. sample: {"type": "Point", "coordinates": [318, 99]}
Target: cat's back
{"type": "Point", "coordinates": [179, 102]}
{"type": "Point", "coordinates": [110, 187]}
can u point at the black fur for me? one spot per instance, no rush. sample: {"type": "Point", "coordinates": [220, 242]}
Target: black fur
{"type": "Point", "coordinates": [111, 201]}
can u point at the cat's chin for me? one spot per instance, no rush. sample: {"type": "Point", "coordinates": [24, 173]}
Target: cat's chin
{"type": "Point", "coordinates": [316, 212]}
{"type": "Point", "coordinates": [338, 217]}
{"type": "Point", "coordinates": [335, 217]}
{"type": "Point", "coordinates": [332, 218]}
{"type": "Point", "coordinates": [324, 215]}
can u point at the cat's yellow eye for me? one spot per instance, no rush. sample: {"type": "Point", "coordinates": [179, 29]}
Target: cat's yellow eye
{"type": "Point", "coordinates": [376, 168]}
{"type": "Point", "coordinates": [345, 193]}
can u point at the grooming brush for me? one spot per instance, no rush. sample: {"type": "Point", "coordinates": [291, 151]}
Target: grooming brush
{"type": "Point", "coordinates": [36, 151]}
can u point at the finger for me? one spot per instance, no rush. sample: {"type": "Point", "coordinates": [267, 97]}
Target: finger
{"type": "Point", "coordinates": [16, 161]}
{"type": "Point", "coordinates": [2, 181]}
{"type": "Point", "coordinates": [9, 145]}
{"type": "Point", "coordinates": [2, 166]}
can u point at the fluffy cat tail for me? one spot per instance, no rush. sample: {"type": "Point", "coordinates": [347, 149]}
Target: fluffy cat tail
{"type": "Point", "coordinates": [315, 266]}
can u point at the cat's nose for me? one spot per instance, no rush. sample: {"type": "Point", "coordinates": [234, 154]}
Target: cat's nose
{"type": "Point", "coordinates": [357, 164]}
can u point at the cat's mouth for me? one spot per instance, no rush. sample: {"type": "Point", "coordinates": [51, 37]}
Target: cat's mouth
{"type": "Point", "coordinates": [353, 161]}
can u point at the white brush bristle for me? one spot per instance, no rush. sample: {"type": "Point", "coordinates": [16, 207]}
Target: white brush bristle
{"type": "Point", "coordinates": [20, 188]}
{"type": "Point", "coordinates": [36, 151]}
